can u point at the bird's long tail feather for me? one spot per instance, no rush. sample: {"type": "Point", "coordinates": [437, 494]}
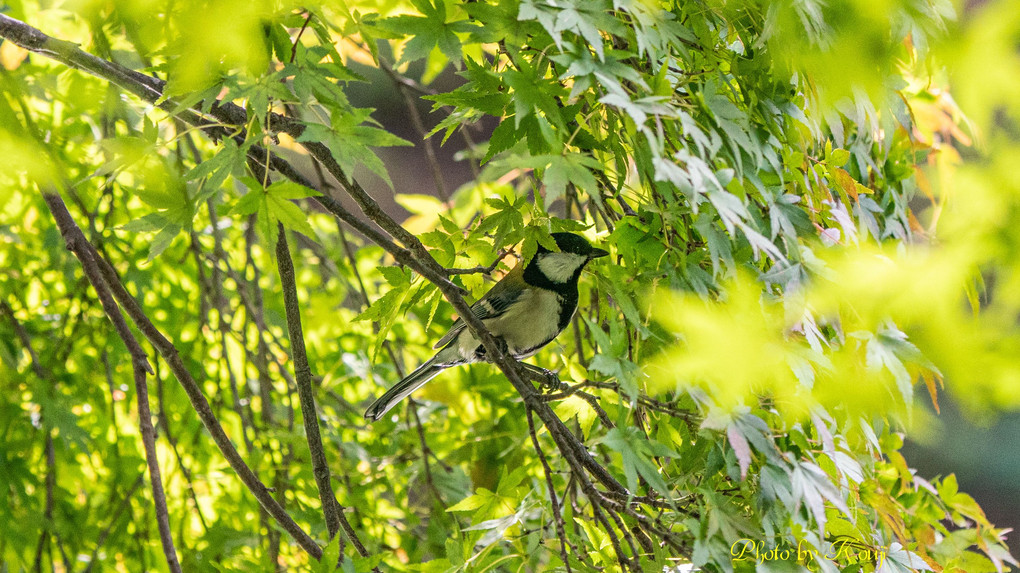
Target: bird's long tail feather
{"type": "Point", "coordinates": [402, 389]}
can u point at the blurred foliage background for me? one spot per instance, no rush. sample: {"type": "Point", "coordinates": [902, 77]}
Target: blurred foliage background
{"type": "Point", "coordinates": [812, 210]}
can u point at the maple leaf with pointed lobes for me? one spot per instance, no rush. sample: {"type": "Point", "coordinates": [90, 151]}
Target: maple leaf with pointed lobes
{"type": "Point", "coordinates": [273, 205]}
{"type": "Point", "coordinates": [533, 93]}
{"type": "Point", "coordinates": [429, 31]}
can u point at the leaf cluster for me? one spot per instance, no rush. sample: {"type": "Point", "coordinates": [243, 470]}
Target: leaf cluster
{"type": "Point", "coordinates": [745, 366]}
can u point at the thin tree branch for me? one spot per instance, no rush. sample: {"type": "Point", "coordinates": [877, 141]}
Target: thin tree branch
{"type": "Point", "coordinates": [124, 503]}
{"type": "Point", "coordinates": [256, 313]}
{"type": "Point", "coordinates": [303, 376]}
{"type": "Point", "coordinates": [79, 245]}
{"type": "Point", "coordinates": [407, 84]}
{"type": "Point", "coordinates": [419, 126]}
{"type": "Point", "coordinates": [51, 462]}
{"type": "Point", "coordinates": [557, 516]}
{"type": "Point", "coordinates": [297, 39]}
{"type": "Point", "coordinates": [150, 89]}
{"type": "Point", "coordinates": [220, 304]}
{"type": "Point", "coordinates": [26, 340]}
{"type": "Point", "coordinates": [641, 398]}
{"type": "Point", "coordinates": [149, 440]}
{"type": "Point", "coordinates": [166, 349]}
{"type": "Point", "coordinates": [480, 269]}
{"type": "Point", "coordinates": [46, 534]}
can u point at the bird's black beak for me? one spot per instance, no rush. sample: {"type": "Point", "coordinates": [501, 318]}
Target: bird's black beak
{"type": "Point", "coordinates": [596, 253]}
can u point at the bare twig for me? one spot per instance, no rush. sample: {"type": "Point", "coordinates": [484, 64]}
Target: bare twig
{"type": "Point", "coordinates": [48, 531]}
{"type": "Point", "coordinates": [219, 301]}
{"type": "Point", "coordinates": [557, 516]}
{"type": "Point", "coordinates": [199, 402]}
{"type": "Point", "coordinates": [297, 39]}
{"type": "Point", "coordinates": [303, 375]}
{"type": "Point", "coordinates": [124, 503]}
{"type": "Point", "coordinates": [79, 245]}
{"type": "Point", "coordinates": [184, 470]}
{"type": "Point", "coordinates": [419, 126]}
{"type": "Point", "coordinates": [480, 269]}
{"type": "Point", "coordinates": [51, 477]}
{"type": "Point", "coordinates": [149, 440]}
{"type": "Point", "coordinates": [26, 340]}
{"type": "Point", "coordinates": [641, 398]}
{"type": "Point", "coordinates": [407, 84]}
{"type": "Point", "coordinates": [256, 312]}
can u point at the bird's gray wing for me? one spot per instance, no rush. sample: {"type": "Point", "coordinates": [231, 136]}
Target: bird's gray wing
{"type": "Point", "coordinates": [493, 304]}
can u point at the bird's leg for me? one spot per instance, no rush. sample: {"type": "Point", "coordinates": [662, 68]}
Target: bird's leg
{"type": "Point", "coordinates": [549, 380]}
{"type": "Point", "coordinates": [480, 353]}
{"type": "Point", "coordinates": [503, 346]}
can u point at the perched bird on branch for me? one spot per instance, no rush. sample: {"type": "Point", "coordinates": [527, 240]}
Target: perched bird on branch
{"type": "Point", "coordinates": [526, 309]}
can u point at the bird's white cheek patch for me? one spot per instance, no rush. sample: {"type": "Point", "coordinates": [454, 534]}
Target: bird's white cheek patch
{"type": "Point", "coordinates": [560, 267]}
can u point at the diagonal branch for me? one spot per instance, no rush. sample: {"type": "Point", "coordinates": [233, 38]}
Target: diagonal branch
{"type": "Point", "coordinates": [169, 353]}
{"type": "Point", "coordinates": [150, 90]}
{"type": "Point", "coordinates": [79, 245]}
{"type": "Point", "coordinates": [123, 505]}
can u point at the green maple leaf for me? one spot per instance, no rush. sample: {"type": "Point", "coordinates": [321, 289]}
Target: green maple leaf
{"type": "Point", "coordinates": [428, 31]}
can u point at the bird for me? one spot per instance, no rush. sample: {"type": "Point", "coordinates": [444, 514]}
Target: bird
{"type": "Point", "coordinates": [526, 309]}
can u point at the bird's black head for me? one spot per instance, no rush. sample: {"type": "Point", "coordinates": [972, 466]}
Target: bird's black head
{"type": "Point", "coordinates": [574, 244]}
{"type": "Point", "coordinates": [551, 269]}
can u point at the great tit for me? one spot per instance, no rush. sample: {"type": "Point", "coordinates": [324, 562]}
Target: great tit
{"type": "Point", "coordinates": [527, 309]}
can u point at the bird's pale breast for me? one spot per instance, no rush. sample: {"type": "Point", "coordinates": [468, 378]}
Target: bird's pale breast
{"type": "Point", "coordinates": [521, 333]}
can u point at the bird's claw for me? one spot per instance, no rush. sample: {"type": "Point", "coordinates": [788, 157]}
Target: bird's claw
{"type": "Point", "coordinates": [551, 381]}
{"type": "Point", "coordinates": [548, 380]}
